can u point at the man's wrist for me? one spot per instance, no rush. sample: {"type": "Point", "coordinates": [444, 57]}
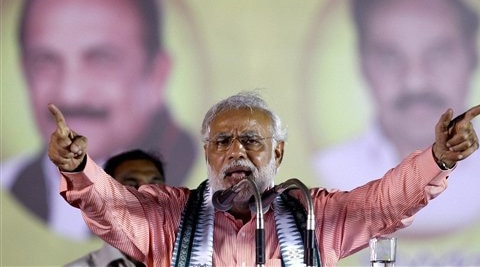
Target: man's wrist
{"type": "Point", "coordinates": [442, 164]}
{"type": "Point", "coordinates": [80, 167]}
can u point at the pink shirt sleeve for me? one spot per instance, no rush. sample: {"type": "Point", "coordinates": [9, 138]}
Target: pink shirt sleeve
{"type": "Point", "coordinates": [345, 221]}
{"type": "Point", "coordinates": [124, 217]}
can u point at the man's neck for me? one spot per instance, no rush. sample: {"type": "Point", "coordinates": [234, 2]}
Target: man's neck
{"type": "Point", "coordinates": [241, 212]}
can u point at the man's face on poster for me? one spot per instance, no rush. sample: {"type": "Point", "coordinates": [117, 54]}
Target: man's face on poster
{"type": "Point", "coordinates": [88, 57]}
{"type": "Point", "coordinates": [418, 62]}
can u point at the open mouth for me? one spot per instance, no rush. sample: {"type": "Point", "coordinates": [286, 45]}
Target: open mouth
{"type": "Point", "coordinates": [237, 173]}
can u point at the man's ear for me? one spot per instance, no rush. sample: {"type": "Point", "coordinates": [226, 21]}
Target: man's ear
{"type": "Point", "coordinates": [159, 74]}
{"type": "Point", "coordinates": [279, 153]}
{"type": "Point", "coordinates": [24, 64]}
{"type": "Point", "coordinates": [205, 153]}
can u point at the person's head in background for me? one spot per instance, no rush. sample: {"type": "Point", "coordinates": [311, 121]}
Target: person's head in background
{"type": "Point", "coordinates": [135, 168]}
{"type": "Point", "coordinates": [101, 62]}
{"type": "Point", "coordinates": [418, 58]}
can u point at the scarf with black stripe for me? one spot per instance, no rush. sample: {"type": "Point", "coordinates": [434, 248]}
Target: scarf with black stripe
{"type": "Point", "coordinates": [194, 241]}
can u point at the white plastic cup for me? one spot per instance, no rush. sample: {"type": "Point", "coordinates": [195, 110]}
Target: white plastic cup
{"type": "Point", "coordinates": [383, 251]}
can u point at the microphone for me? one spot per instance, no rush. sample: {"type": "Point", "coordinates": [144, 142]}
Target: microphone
{"type": "Point", "coordinates": [223, 200]}
{"type": "Point", "coordinates": [269, 196]}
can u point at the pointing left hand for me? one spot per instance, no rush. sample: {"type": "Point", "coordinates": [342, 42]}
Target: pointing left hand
{"type": "Point", "coordinates": [455, 139]}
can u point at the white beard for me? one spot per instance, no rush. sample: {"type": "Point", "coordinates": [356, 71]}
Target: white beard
{"type": "Point", "coordinates": [264, 177]}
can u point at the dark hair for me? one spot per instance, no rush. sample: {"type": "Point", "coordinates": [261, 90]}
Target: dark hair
{"type": "Point", "coordinates": [136, 154]}
{"type": "Point", "coordinates": [468, 18]}
{"type": "Point", "coordinates": [150, 12]}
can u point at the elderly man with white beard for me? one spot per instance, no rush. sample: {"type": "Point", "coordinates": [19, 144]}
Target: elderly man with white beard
{"type": "Point", "coordinates": [244, 139]}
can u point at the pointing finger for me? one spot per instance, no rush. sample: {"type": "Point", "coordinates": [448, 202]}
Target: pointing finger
{"type": "Point", "coordinates": [467, 116]}
{"type": "Point", "coordinates": [62, 127]}
{"type": "Point", "coordinates": [472, 113]}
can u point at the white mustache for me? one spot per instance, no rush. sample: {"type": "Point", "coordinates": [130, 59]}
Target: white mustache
{"type": "Point", "coordinates": [240, 163]}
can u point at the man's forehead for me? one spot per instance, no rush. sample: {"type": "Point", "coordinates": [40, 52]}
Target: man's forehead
{"type": "Point", "coordinates": [240, 120]}
{"type": "Point", "coordinates": [241, 114]}
{"type": "Point", "coordinates": [389, 27]}
{"type": "Point", "coordinates": [83, 16]}
{"type": "Point", "coordinates": [136, 165]}
{"type": "Point", "coordinates": [413, 11]}
{"type": "Point", "coordinates": [240, 117]}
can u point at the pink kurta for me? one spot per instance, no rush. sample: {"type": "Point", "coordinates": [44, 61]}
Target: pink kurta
{"type": "Point", "coordinates": [144, 223]}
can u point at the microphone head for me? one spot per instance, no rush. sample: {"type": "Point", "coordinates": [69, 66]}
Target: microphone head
{"type": "Point", "coordinates": [267, 198]}
{"type": "Point", "coordinates": [220, 204]}
{"type": "Point", "coordinates": [223, 199]}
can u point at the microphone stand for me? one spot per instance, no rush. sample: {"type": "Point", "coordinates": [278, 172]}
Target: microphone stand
{"type": "Point", "coordinates": [269, 196]}
{"type": "Point", "coordinates": [260, 227]}
{"type": "Point", "coordinates": [223, 200]}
